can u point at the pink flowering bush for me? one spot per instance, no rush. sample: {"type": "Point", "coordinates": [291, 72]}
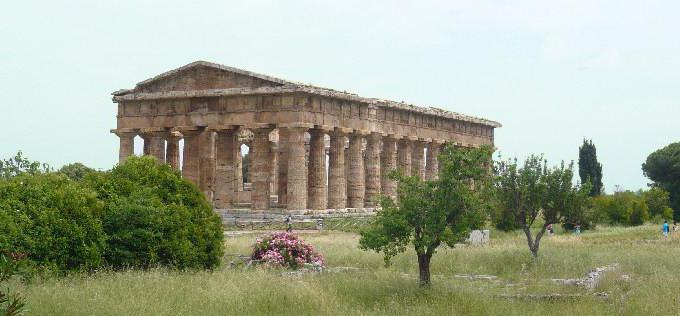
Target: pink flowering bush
{"type": "Point", "coordinates": [283, 249]}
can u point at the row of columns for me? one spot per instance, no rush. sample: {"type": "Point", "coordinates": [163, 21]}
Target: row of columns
{"type": "Point", "coordinates": [355, 178]}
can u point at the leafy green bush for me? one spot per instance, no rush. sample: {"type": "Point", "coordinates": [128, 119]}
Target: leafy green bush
{"type": "Point", "coordinates": [658, 201]}
{"type": "Point", "coordinates": [154, 217]}
{"type": "Point", "coordinates": [626, 208]}
{"type": "Point", "coordinates": [504, 220]}
{"type": "Point", "coordinates": [52, 219]}
{"type": "Point", "coordinates": [587, 219]}
{"type": "Point", "coordinates": [76, 171]}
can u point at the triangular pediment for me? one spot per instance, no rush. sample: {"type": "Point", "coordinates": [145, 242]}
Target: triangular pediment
{"type": "Point", "coordinates": [202, 75]}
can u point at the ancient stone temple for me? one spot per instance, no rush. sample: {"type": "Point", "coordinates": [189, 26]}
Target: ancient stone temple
{"type": "Point", "coordinates": [311, 150]}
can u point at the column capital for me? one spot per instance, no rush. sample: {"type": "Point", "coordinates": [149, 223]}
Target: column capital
{"type": "Point", "coordinates": [123, 131]}
{"type": "Point", "coordinates": [390, 137]}
{"type": "Point", "coordinates": [317, 131]}
{"type": "Point", "coordinates": [187, 129]}
{"type": "Point", "coordinates": [361, 132]}
{"type": "Point", "coordinates": [420, 141]}
{"type": "Point", "coordinates": [325, 128]}
{"type": "Point", "coordinates": [175, 135]}
{"type": "Point", "coordinates": [341, 131]}
{"type": "Point", "coordinates": [219, 128]}
{"type": "Point", "coordinates": [150, 130]}
{"type": "Point", "coordinates": [296, 125]}
{"type": "Point", "coordinates": [258, 126]}
{"type": "Point", "coordinates": [439, 141]}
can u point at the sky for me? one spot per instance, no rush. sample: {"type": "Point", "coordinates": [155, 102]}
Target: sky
{"type": "Point", "coordinates": [552, 72]}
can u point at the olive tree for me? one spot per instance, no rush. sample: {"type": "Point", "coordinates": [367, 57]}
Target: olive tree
{"type": "Point", "coordinates": [534, 189]}
{"type": "Point", "coordinates": [429, 213]}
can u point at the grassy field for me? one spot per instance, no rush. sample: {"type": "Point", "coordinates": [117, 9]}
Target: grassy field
{"type": "Point", "coordinates": [653, 265]}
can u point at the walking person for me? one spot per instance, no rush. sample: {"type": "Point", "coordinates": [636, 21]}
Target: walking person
{"type": "Point", "coordinates": [319, 224]}
{"type": "Point", "coordinates": [289, 222]}
{"type": "Point", "coordinates": [666, 229]}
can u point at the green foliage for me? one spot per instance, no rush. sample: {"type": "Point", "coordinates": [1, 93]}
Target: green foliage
{"type": "Point", "coordinates": [19, 164]}
{"type": "Point", "coordinates": [588, 218]}
{"type": "Point", "coordinates": [154, 217]}
{"type": "Point", "coordinates": [11, 303]}
{"type": "Point", "coordinates": [663, 167]}
{"type": "Point", "coordinates": [75, 171]}
{"type": "Point", "coordinates": [623, 208]}
{"type": "Point", "coordinates": [589, 170]}
{"type": "Point", "coordinates": [658, 202]}
{"type": "Point", "coordinates": [518, 192]}
{"type": "Point", "coordinates": [524, 193]}
{"type": "Point", "coordinates": [427, 213]}
{"type": "Point", "coordinates": [52, 219]}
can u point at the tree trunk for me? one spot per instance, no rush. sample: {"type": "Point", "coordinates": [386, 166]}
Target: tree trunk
{"type": "Point", "coordinates": [534, 243]}
{"type": "Point", "coordinates": [530, 241]}
{"type": "Point", "coordinates": [424, 267]}
{"type": "Point", "coordinates": [537, 241]}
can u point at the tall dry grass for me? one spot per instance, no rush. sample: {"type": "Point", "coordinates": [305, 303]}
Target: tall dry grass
{"type": "Point", "coordinates": [652, 264]}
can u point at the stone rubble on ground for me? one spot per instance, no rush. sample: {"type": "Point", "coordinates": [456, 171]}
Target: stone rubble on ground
{"type": "Point", "coordinates": [553, 296]}
{"type": "Point", "coordinates": [475, 277]}
{"type": "Point", "coordinates": [591, 279]}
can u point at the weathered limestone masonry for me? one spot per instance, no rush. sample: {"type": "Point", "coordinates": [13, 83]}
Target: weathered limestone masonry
{"type": "Point", "coordinates": [297, 137]}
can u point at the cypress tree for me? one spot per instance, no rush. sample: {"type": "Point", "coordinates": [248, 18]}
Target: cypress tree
{"type": "Point", "coordinates": [588, 167]}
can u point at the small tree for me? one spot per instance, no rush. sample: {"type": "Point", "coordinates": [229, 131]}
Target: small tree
{"type": "Point", "coordinates": [529, 191]}
{"type": "Point", "coordinates": [658, 202]}
{"type": "Point", "coordinates": [589, 169]}
{"type": "Point", "coordinates": [427, 213]}
{"type": "Point", "coordinates": [75, 171]}
{"type": "Point", "coordinates": [663, 167]}
{"type": "Point", "coordinates": [19, 164]}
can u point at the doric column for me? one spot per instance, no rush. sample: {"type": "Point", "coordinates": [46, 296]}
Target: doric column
{"type": "Point", "coordinates": [172, 152]}
{"type": "Point", "coordinates": [404, 156]}
{"type": "Point", "coordinates": [191, 151]}
{"type": "Point", "coordinates": [336, 171]}
{"type": "Point", "coordinates": [297, 176]}
{"type": "Point", "coordinates": [388, 163]}
{"type": "Point", "coordinates": [207, 162]}
{"type": "Point", "coordinates": [355, 181]}
{"type": "Point", "coordinates": [418, 159]}
{"type": "Point", "coordinates": [274, 175]}
{"type": "Point", "coordinates": [146, 146]}
{"type": "Point", "coordinates": [259, 167]}
{"type": "Point", "coordinates": [317, 195]}
{"type": "Point", "coordinates": [225, 175]}
{"type": "Point", "coordinates": [346, 170]}
{"type": "Point", "coordinates": [154, 142]}
{"type": "Point", "coordinates": [373, 172]}
{"type": "Point", "coordinates": [238, 165]}
{"type": "Point", "coordinates": [127, 143]}
{"type": "Point", "coordinates": [433, 149]}
{"type": "Point", "coordinates": [283, 167]}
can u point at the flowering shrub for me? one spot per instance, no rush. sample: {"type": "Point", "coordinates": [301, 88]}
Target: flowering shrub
{"type": "Point", "coordinates": [286, 250]}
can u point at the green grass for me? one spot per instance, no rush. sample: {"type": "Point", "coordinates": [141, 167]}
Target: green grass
{"type": "Point", "coordinates": [652, 264]}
